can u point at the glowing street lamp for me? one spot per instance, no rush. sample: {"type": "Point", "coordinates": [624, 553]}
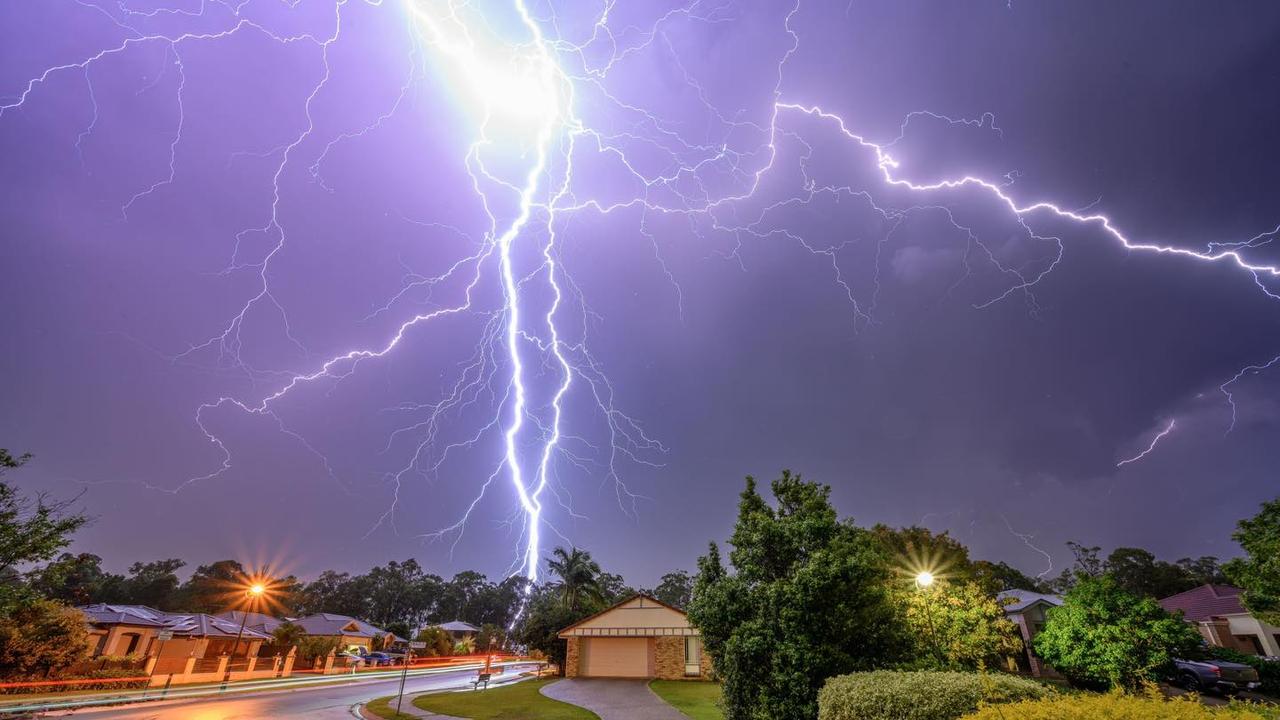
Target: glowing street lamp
{"type": "Point", "coordinates": [252, 594]}
{"type": "Point", "coordinates": [925, 580]}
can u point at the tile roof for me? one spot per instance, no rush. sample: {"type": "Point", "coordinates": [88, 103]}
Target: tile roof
{"type": "Point", "coordinates": [1204, 602]}
{"type": "Point", "coordinates": [1018, 600]}
{"type": "Point", "coordinates": [331, 624]}
{"type": "Point", "coordinates": [258, 621]}
{"type": "Point", "coordinates": [458, 626]}
{"type": "Point", "coordinates": [187, 624]}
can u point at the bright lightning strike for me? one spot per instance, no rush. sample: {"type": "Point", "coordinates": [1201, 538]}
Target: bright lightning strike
{"type": "Point", "coordinates": [518, 73]}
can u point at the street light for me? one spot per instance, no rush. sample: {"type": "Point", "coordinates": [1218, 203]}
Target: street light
{"type": "Point", "coordinates": [251, 595]}
{"type": "Point", "coordinates": [924, 580]}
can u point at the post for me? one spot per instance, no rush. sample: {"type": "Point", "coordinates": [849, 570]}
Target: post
{"type": "Point", "coordinates": [244, 617]}
{"type": "Point", "coordinates": [928, 615]}
{"type": "Point", "coordinates": [404, 674]}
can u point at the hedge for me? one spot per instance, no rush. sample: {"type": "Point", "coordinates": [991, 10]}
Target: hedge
{"type": "Point", "coordinates": [897, 695]}
{"type": "Point", "coordinates": [1114, 706]}
{"type": "Point", "coordinates": [104, 679]}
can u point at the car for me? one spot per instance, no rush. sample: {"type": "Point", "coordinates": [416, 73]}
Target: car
{"type": "Point", "coordinates": [1219, 676]}
{"type": "Point", "coordinates": [377, 659]}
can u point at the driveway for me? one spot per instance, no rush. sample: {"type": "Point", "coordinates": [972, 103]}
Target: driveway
{"type": "Point", "coordinates": [614, 699]}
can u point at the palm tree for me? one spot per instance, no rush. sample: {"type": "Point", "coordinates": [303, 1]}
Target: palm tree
{"type": "Point", "coordinates": [579, 576]}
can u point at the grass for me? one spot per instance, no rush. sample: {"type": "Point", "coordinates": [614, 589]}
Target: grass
{"type": "Point", "coordinates": [696, 699]}
{"type": "Point", "coordinates": [518, 701]}
{"type": "Point", "coordinates": [384, 708]}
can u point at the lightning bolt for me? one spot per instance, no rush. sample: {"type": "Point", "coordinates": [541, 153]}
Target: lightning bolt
{"type": "Point", "coordinates": [543, 101]}
{"type": "Point", "coordinates": [1154, 441]}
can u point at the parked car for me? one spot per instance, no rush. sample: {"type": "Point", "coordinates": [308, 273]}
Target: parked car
{"type": "Point", "coordinates": [1220, 676]}
{"type": "Point", "coordinates": [377, 659]}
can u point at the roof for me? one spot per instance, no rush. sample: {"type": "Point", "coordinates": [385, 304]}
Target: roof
{"type": "Point", "coordinates": [332, 624]}
{"type": "Point", "coordinates": [650, 623]}
{"type": "Point", "coordinates": [260, 622]}
{"type": "Point", "coordinates": [186, 624]}
{"type": "Point", "coordinates": [458, 626]}
{"type": "Point", "coordinates": [1016, 601]}
{"type": "Point", "coordinates": [1204, 602]}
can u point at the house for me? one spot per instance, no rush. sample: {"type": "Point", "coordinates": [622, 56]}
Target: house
{"type": "Point", "coordinates": [353, 635]}
{"type": "Point", "coordinates": [1027, 609]}
{"type": "Point", "coordinates": [258, 622]}
{"type": "Point", "coordinates": [135, 630]}
{"type": "Point", "coordinates": [636, 638]}
{"type": "Point", "coordinates": [1217, 613]}
{"type": "Point", "coordinates": [458, 630]}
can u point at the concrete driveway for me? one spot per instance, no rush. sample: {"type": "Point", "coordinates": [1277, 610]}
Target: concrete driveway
{"type": "Point", "coordinates": [614, 699]}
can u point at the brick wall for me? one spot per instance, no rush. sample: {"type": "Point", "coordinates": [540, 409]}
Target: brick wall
{"type": "Point", "coordinates": [571, 657]}
{"type": "Point", "coordinates": [668, 658]}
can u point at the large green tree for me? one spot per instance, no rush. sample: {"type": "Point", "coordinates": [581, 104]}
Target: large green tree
{"type": "Point", "coordinates": [1105, 636]}
{"type": "Point", "coordinates": [809, 597]}
{"type": "Point", "coordinates": [1258, 573]}
{"type": "Point", "coordinates": [77, 580]}
{"type": "Point", "coordinates": [960, 625]}
{"type": "Point", "coordinates": [675, 589]}
{"type": "Point", "coordinates": [31, 531]}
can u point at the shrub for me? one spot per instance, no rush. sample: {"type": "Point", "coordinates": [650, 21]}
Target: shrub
{"type": "Point", "coordinates": [91, 680]}
{"type": "Point", "coordinates": [1114, 706]}
{"type": "Point", "coordinates": [893, 695]}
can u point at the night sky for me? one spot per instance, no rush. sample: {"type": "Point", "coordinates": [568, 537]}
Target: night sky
{"type": "Point", "coordinates": [814, 318]}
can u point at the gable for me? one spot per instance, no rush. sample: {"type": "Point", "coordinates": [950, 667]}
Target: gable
{"type": "Point", "coordinates": [639, 616]}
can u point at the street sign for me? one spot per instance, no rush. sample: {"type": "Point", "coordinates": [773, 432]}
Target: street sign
{"type": "Point", "coordinates": [164, 635]}
{"type": "Point", "coordinates": [417, 645]}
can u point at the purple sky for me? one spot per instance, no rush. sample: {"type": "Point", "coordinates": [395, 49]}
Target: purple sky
{"type": "Point", "coordinates": [815, 319]}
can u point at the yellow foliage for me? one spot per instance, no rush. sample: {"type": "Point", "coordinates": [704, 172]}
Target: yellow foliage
{"type": "Point", "coordinates": [1117, 706]}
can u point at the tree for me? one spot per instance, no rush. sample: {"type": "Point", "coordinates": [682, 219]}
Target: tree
{"type": "Point", "coordinates": [334, 592]}
{"type": "Point", "coordinates": [1204, 570]}
{"type": "Point", "coordinates": [675, 589]}
{"type": "Point", "coordinates": [77, 580]}
{"type": "Point", "coordinates": [914, 548]}
{"type": "Point", "coordinates": [579, 577]}
{"type": "Point", "coordinates": [40, 639]}
{"type": "Point", "coordinates": [1258, 573]}
{"type": "Point", "coordinates": [997, 577]}
{"type": "Point", "coordinates": [960, 622]}
{"type": "Point", "coordinates": [490, 636]}
{"type": "Point", "coordinates": [437, 640]}
{"type": "Point", "coordinates": [1139, 572]}
{"type": "Point", "coordinates": [809, 598]}
{"type": "Point", "coordinates": [154, 584]}
{"type": "Point", "coordinates": [287, 635]}
{"type": "Point", "coordinates": [1105, 636]}
{"type": "Point", "coordinates": [213, 588]}
{"type": "Point", "coordinates": [545, 615]}
{"type": "Point", "coordinates": [31, 531]}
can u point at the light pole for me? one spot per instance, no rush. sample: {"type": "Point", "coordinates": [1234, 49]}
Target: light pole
{"type": "Point", "coordinates": [251, 594]}
{"type": "Point", "coordinates": [924, 580]}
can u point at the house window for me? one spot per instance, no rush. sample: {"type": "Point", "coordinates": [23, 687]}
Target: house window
{"type": "Point", "coordinates": [692, 656]}
{"type": "Point", "coordinates": [133, 643]}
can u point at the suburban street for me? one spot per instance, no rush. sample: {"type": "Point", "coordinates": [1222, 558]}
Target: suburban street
{"type": "Point", "coordinates": [329, 701]}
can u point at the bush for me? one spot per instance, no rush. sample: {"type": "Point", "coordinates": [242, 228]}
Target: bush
{"type": "Point", "coordinates": [86, 681]}
{"type": "Point", "coordinates": [1268, 670]}
{"type": "Point", "coordinates": [1115, 706]}
{"type": "Point", "coordinates": [893, 695]}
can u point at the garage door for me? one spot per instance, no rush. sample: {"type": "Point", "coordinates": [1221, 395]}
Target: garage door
{"type": "Point", "coordinates": [615, 657]}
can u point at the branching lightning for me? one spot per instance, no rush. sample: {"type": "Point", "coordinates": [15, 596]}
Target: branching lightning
{"type": "Point", "coordinates": [519, 75]}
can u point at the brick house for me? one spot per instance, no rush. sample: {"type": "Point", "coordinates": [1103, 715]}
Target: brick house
{"type": "Point", "coordinates": [638, 638]}
{"type": "Point", "coordinates": [116, 630]}
{"type": "Point", "coordinates": [1216, 612]}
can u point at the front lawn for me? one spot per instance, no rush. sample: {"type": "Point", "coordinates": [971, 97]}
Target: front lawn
{"type": "Point", "coordinates": [518, 701]}
{"type": "Point", "coordinates": [696, 699]}
{"type": "Point", "coordinates": [386, 708]}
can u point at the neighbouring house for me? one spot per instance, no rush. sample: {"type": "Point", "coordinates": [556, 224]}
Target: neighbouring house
{"type": "Point", "coordinates": [1217, 613]}
{"type": "Point", "coordinates": [1027, 609]}
{"type": "Point", "coordinates": [353, 635]}
{"type": "Point", "coordinates": [637, 638]}
{"type": "Point", "coordinates": [135, 630]}
{"type": "Point", "coordinates": [258, 622]}
{"type": "Point", "coordinates": [458, 630]}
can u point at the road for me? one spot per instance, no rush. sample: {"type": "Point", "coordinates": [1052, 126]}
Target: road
{"type": "Point", "coordinates": [325, 702]}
